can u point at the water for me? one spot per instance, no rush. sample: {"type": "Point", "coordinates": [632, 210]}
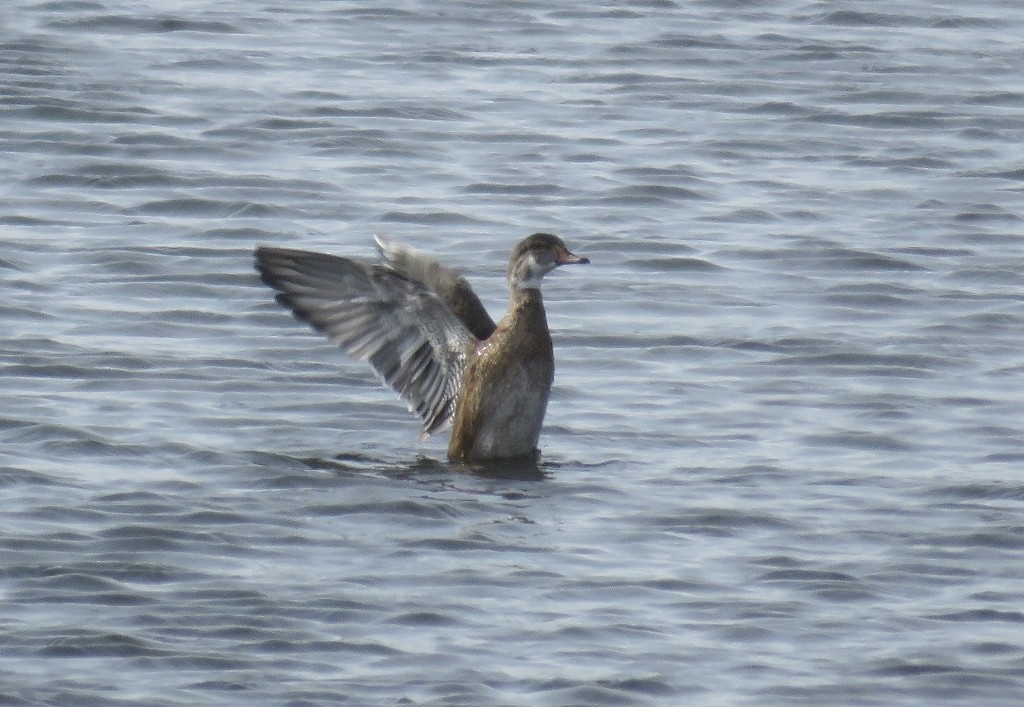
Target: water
{"type": "Point", "coordinates": [782, 459]}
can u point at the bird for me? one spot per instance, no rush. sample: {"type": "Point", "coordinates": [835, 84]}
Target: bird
{"type": "Point", "coordinates": [423, 329]}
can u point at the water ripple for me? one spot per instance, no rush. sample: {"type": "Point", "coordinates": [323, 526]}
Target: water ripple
{"type": "Point", "coordinates": [782, 446]}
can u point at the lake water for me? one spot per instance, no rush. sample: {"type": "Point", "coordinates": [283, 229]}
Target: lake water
{"type": "Point", "coordinates": [782, 463]}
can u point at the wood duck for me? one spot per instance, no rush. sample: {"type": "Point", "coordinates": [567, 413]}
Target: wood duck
{"type": "Point", "coordinates": [424, 330]}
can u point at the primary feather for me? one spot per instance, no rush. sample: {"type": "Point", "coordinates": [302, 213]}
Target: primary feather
{"type": "Point", "coordinates": [405, 330]}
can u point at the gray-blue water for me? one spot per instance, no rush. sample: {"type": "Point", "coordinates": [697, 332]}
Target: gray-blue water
{"type": "Point", "coordinates": [782, 462]}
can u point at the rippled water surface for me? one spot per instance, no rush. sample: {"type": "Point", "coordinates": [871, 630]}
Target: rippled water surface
{"type": "Point", "coordinates": [782, 460]}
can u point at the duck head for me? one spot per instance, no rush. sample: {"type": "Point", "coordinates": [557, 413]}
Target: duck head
{"type": "Point", "coordinates": [535, 257]}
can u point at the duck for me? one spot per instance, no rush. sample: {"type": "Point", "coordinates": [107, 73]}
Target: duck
{"type": "Point", "coordinates": [428, 336]}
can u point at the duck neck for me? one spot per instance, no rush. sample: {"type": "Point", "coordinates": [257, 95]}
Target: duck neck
{"type": "Point", "coordinates": [527, 297]}
{"type": "Point", "coordinates": [526, 313]}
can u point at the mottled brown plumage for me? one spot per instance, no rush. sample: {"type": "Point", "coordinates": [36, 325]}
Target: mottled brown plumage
{"type": "Point", "coordinates": [425, 331]}
{"type": "Point", "coordinates": [505, 387]}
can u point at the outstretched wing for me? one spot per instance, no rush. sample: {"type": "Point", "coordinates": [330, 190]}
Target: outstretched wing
{"type": "Point", "coordinates": [445, 282]}
{"type": "Point", "coordinates": [408, 333]}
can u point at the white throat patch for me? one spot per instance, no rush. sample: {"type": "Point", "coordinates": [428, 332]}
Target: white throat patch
{"type": "Point", "coordinates": [530, 277]}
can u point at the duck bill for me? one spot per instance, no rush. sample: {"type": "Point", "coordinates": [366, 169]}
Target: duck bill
{"type": "Point", "coordinates": [567, 258]}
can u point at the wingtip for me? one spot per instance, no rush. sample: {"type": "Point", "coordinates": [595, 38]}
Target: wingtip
{"type": "Point", "coordinates": [383, 243]}
{"type": "Point", "coordinates": [263, 255]}
{"type": "Point", "coordinates": [262, 262]}
{"type": "Point", "coordinates": [259, 258]}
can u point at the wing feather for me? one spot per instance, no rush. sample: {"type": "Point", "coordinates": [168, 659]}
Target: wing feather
{"type": "Point", "coordinates": [406, 331]}
{"type": "Point", "coordinates": [440, 279]}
